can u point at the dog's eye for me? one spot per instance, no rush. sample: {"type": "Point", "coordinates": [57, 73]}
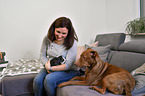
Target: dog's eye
{"type": "Point", "coordinates": [84, 57]}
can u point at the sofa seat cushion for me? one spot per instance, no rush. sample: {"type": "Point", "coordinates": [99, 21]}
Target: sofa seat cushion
{"type": "Point", "coordinates": [76, 90]}
{"type": "Point", "coordinates": [133, 46]}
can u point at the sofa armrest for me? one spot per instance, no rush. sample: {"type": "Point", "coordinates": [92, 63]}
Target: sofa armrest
{"type": "Point", "coordinates": [18, 85]}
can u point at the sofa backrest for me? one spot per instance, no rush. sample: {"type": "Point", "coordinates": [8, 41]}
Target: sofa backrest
{"type": "Point", "coordinates": [137, 46]}
{"type": "Point", "coordinates": [113, 39]}
{"type": "Point", "coordinates": [130, 56]}
{"type": "Point", "coordinates": [127, 60]}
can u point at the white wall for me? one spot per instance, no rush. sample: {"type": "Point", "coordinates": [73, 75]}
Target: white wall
{"type": "Point", "coordinates": [24, 23]}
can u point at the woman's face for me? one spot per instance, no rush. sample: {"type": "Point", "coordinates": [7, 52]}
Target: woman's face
{"type": "Point", "coordinates": [60, 34]}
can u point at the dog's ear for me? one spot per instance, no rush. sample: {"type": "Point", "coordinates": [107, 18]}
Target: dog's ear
{"type": "Point", "coordinates": [93, 54]}
{"type": "Point", "coordinates": [88, 48]}
{"type": "Point", "coordinates": [127, 89]}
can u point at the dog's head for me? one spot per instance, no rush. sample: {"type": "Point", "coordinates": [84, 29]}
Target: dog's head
{"type": "Point", "coordinates": [87, 58]}
{"type": "Point", "coordinates": [60, 59]}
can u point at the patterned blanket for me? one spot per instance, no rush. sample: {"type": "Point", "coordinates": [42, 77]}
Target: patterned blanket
{"type": "Point", "coordinates": [139, 76]}
{"type": "Point", "coordinates": [21, 66]}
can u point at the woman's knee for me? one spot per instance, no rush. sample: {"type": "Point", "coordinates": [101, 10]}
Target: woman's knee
{"type": "Point", "coordinates": [39, 78]}
{"type": "Point", "coordinates": [37, 82]}
{"type": "Point", "coordinates": [49, 79]}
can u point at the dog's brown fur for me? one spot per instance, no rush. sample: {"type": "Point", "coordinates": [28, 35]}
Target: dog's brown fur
{"type": "Point", "coordinates": [99, 73]}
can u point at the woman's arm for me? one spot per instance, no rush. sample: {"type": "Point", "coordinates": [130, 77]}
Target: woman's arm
{"type": "Point", "coordinates": [70, 59]}
{"type": "Point", "coordinates": [43, 51]}
{"type": "Point", "coordinates": [71, 56]}
{"type": "Point", "coordinates": [54, 68]}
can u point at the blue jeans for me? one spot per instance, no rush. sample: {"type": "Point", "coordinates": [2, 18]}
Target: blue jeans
{"type": "Point", "coordinates": [48, 82]}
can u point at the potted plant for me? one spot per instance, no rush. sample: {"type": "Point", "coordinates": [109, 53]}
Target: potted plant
{"type": "Point", "coordinates": [136, 26]}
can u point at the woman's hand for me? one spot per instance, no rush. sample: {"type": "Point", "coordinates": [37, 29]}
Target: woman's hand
{"type": "Point", "coordinates": [55, 68]}
{"type": "Point", "coordinates": [47, 66]}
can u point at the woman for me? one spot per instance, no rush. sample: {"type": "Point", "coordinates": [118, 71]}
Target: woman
{"type": "Point", "coordinates": [60, 40]}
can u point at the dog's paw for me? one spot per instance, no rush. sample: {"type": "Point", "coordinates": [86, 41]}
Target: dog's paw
{"type": "Point", "coordinates": [61, 85]}
{"type": "Point", "coordinates": [92, 87]}
{"type": "Point", "coordinates": [92, 84]}
{"type": "Point", "coordinates": [74, 78]}
{"type": "Point", "coordinates": [97, 89]}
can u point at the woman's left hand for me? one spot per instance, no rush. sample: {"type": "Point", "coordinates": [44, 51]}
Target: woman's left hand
{"type": "Point", "coordinates": [48, 71]}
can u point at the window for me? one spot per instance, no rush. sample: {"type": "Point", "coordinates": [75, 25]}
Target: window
{"type": "Point", "coordinates": [142, 8]}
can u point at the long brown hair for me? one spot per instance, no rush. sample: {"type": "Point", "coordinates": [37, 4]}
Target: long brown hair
{"type": "Point", "coordinates": [59, 23]}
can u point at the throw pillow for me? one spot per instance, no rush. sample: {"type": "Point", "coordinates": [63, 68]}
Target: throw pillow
{"type": "Point", "coordinates": [95, 44]}
{"type": "Point", "coordinates": [103, 51]}
{"type": "Point", "coordinates": [80, 49]}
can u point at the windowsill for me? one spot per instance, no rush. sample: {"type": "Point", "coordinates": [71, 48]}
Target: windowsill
{"type": "Point", "coordinates": [138, 34]}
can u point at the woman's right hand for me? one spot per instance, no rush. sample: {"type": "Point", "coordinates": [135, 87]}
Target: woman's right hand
{"type": "Point", "coordinates": [47, 66]}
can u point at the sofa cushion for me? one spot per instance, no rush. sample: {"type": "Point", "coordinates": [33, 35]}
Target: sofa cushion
{"type": "Point", "coordinates": [127, 60]}
{"type": "Point", "coordinates": [114, 39]}
{"type": "Point", "coordinates": [77, 90]}
{"type": "Point", "coordinates": [133, 46]}
{"type": "Point", "coordinates": [103, 51]}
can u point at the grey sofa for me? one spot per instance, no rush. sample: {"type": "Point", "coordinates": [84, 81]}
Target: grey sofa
{"type": "Point", "coordinates": [129, 55]}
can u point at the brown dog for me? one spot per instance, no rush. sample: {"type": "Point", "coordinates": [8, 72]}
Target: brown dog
{"type": "Point", "coordinates": [99, 73]}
